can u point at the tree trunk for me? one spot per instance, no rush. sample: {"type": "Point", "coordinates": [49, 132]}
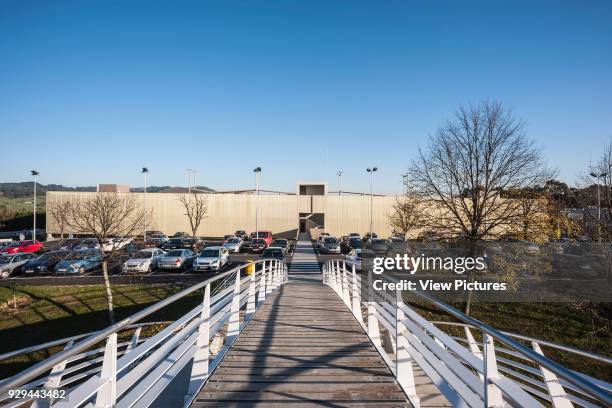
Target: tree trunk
{"type": "Point", "coordinates": [470, 278]}
{"type": "Point", "coordinates": [109, 292]}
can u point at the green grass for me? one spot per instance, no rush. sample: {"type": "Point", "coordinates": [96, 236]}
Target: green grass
{"type": "Point", "coordinates": [23, 205]}
{"type": "Point", "coordinates": [56, 312]}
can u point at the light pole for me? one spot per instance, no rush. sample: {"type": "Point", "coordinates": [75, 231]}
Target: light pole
{"type": "Point", "coordinates": [597, 177]}
{"type": "Point", "coordinates": [340, 182]}
{"type": "Point", "coordinates": [34, 173]}
{"type": "Point", "coordinates": [371, 171]}
{"type": "Point", "coordinates": [257, 171]}
{"type": "Point", "coordinates": [404, 182]}
{"type": "Point", "coordinates": [145, 171]}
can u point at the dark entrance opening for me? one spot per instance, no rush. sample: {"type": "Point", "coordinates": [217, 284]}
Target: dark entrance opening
{"type": "Point", "coordinates": [302, 226]}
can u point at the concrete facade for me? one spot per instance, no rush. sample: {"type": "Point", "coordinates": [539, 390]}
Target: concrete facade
{"type": "Point", "coordinates": [277, 213]}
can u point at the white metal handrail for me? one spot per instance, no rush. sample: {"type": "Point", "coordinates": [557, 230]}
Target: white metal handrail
{"type": "Point", "coordinates": [465, 371]}
{"type": "Point", "coordinates": [140, 372]}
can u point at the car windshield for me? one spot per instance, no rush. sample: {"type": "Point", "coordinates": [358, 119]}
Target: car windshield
{"type": "Point", "coordinates": [13, 245]}
{"type": "Point", "coordinates": [209, 253]}
{"type": "Point", "coordinates": [175, 252]}
{"type": "Point", "coordinates": [233, 241]}
{"type": "Point", "coordinates": [76, 255]}
{"type": "Point", "coordinates": [378, 241]}
{"type": "Point", "coordinates": [331, 241]}
{"type": "Point", "coordinates": [45, 257]}
{"type": "Point", "coordinates": [279, 242]}
{"type": "Point", "coordinates": [258, 241]}
{"type": "Point", "coordinates": [143, 254]}
{"type": "Point", "coordinates": [273, 252]}
{"type": "Point", "coordinates": [175, 241]}
{"type": "Point", "coordinates": [5, 259]}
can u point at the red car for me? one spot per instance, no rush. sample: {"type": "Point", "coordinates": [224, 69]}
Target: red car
{"type": "Point", "coordinates": [22, 246]}
{"type": "Point", "coordinates": [265, 235]}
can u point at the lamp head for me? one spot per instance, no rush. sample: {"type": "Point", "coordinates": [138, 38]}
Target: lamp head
{"type": "Point", "coordinates": [257, 170]}
{"type": "Point", "coordinates": [375, 169]}
{"type": "Point", "coordinates": [145, 170]}
{"type": "Point", "coordinates": [34, 172]}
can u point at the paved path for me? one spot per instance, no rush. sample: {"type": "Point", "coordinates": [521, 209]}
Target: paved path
{"type": "Point", "coordinates": [304, 266]}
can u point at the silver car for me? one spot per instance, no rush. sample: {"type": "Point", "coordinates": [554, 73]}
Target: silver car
{"type": "Point", "coordinates": [177, 259]}
{"type": "Point", "coordinates": [10, 263]}
{"type": "Point", "coordinates": [144, 260]}
{"type": "Point", "coordinates": [211, 259]}
{"type": "Point", "coordinates": [233, 244]}
{"type": "Point", "coordinates": [329, 245]}
{"type": "Point", "coordinates": [353, 258]}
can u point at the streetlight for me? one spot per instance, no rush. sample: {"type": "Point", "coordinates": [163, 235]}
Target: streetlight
{"type": "Point", "coordinates": [144, 172]}
{"type": "Point", "coordinates": [257, 171]}
{"type": "Point", "coordinates": [597, 177]}
{"type": "Point", "coordinates": [34, 173]}
{"type": "Point", "coordinates": [371, 171]}
{"type": "Point", "coordinates": [340, 182]}
{"type": "Point", "coordinates": [404, 182]}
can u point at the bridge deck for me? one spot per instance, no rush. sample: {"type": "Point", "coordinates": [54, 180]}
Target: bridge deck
{"type": "Point", "coordinates": [302, 348]}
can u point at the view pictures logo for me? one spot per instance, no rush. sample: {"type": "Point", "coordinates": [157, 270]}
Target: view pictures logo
{"type": "Point", "coordinates": [458, 265]}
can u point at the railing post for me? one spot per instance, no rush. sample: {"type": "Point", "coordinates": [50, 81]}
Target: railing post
{"type": "Point", "coordinates": [492, 394]}
{"type": "Point", "coordinates": [250, 309]}
{"type": "Point", "coordinates": [345, 288]}
{"type": "Point", "coordinates": [338, 278]}
{"type": "Point", "coordinates": [473, 346]}
{"type": "Point", "coordinates": [107, 390]}
{"type": "Point", "coordinates": [403, 360]}
{"type": "Point", "coordinates": [269, 287]}
{"type": "Point", "coordinates": [373, 329]}
{"type": "Point", "coordinates": [553, 386]}
{"type": "Point", "coordinates": [356, 298]}
{"type": "Point", "coordinates": [262, 285]}
{"type": "Point", "coordinates": [54, 380]}
{"type": "Point", "coordinates": [233, 327]}
{"type": "Point", "coordinates": [276, 273]}
{"type": "Point", "coordinates": [199, 369]}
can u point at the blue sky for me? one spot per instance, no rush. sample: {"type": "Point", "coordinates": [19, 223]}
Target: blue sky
{"type": "Point", "coordinates": [90, 91]}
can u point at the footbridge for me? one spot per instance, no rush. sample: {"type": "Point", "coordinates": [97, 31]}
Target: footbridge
{"type": "Point", "coordinates": [299, 334]}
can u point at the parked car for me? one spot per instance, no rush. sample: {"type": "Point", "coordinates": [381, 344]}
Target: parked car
{"type": "Point", "coordinates": [367, 236]}
{"type": "Point", "coordinates": [273, 253]}
{"type": "Point", "coordinates": [228, 236]}
{"type": "Point", "coordinates": [329, 245]}
{"type": "Point", "coordinates": [257, 245]}
{"type": "Point", "coordinates": [281, 243]}
{"type": "Point", "coordinates": [176, 243]}
{"type": "Point", "coordinates": [353, 258]}
{"type": "Point", "coordinates": [180, 234]}
{"type": "Point", "coordinates": [240, 233]}
{"type": "Point", "coordinates": [68, 244]}
{"type": "Point", "coordinates": [350, 243]}
{"type": "Point", "coordinates": [44, 263]}
{"type": "Point", "coordinates": [79, 261]}
{"type": "Point", "coordinates": [395, 239]}
{"type": "Point", "coordinates": [115, 244]}
{"type": "Point", "coordinates": [212, 258]}
{"type": "Point", "coordinates": [87, 243]}
{"type": "Point", "coordinates": [233, 244]}
{"type": "Point", "coordinates": [156, 239]}
{"type": "Point", "coordinates": [178, 259]}
{"type": "Point", "coordinates": [354, 234]}
{"type": "Point", "coordinates": [378, 246]}
{"type": "Point", "coordinates": [265, 235]}
{"type": "Point", "coordinates": [11, 263]}
{"type": "Point", "coordinates": [154, 232]}
{"type": "Point", "coordinates": [22, 246]}
{"type": "Point", "coordinates": [145, 260]}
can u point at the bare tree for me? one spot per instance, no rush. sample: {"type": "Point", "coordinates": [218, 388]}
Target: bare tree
{"type": "Point", "coordinates": [196, 207]}
{"type": "Point", "coordinates": [106, 215]}
{"type": "Point", "coordinates": [406, 214]}
{"type": "Point", "coordinates": [470, 162]}
{"type": "Point", "coordinates": [60, 211]}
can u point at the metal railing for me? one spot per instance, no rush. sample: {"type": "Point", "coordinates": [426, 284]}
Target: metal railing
{"type": "Point", "coordinates": [494, 371]}
{"type": "Point", "coordinates": [101, 371]}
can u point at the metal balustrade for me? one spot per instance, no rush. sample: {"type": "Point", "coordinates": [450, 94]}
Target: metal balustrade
{"type": "Point", "coordinates": [496, 371]}
{"type": "Point", "coordinates": [98, 370]}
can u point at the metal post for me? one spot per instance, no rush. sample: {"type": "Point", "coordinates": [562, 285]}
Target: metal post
{"type": "Point", "coordinates": [144, 235]}
{"type": "Point", "coordinates": [557, 394]}
{"type": "Point", "coordinates": [403, 360]}
{"type": "Point", "coordinates": [492, 394]}
{"type": "Point", "coordinates": [233, 326]}
{"type": "Point", "coordinates": [257, 171]}
{"type": "Point", "coordinates": [269, 280]}
{"type": "Point", "coordinates": [346, 296]}
{"type": "Point", "coordinates": [250, 309]}
{"type": "Point", "coordinates": [262, 284]}
{"type": "Point", "coordinates": [34, 173]}
{"type": "Point", "coordinates": [340, 182]}
{"type": "Point", "coordinates": [199, 369]}
{"type": "Point", "coordinates": [53, 381]}
{"type": "Point", "coordinates": [356, 298]}
{"type": "Point", "coordinates": [107, 390]}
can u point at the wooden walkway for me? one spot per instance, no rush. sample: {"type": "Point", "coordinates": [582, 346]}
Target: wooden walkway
{"type": "Point", "coordinates": [303, 348]}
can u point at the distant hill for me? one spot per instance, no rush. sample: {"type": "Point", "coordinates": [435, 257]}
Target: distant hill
{"type": "Point", "coordinates": [24, 189]}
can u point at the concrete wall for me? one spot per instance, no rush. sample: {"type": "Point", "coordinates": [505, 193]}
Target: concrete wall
{"type": "Point", "coordinates": [278, 213]}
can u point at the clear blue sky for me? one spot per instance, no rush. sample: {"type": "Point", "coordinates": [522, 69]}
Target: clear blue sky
{"type": "Point", "coordinates": [90, 91]}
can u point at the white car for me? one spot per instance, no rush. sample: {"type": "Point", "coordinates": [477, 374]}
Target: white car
{"type": "Point", "coordinates": [233, 244]}
{"type": "Point", "coordinates": [329, 245]}
{"type": "Point", "coordinates": [144, 260]}
{"type": "Point", "coordinates": [10, 263]}
{"type": "Point", "coordinates": [87, 243]}
{"type": "Point", "coordinates": [211, 259]}
{"type": "Point", "coordinates": [115, 244]}
{"type": "Point", "coordinates": [353, 258]}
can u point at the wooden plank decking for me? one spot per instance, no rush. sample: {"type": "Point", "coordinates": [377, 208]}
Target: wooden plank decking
{"type": "Point", "coordinates": [303, 348]}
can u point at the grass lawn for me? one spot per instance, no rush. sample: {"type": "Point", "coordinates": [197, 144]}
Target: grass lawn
{"type": "Point", "coordinates": [55, 312]}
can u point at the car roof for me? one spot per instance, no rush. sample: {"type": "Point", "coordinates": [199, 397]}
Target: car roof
{"type": "Point", "coordinates": [212, 247]}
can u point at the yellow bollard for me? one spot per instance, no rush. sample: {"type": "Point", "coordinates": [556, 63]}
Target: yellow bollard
{"type": "Point", "coordinates": [250, 268]}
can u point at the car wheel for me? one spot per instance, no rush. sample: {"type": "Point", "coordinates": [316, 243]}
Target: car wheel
{"type": "Point", "coordinates": [5, 274]}
{"type": "Point", "coordinates": [81, 270]}
{"type": "Point", "coordinates": [150, 268]}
